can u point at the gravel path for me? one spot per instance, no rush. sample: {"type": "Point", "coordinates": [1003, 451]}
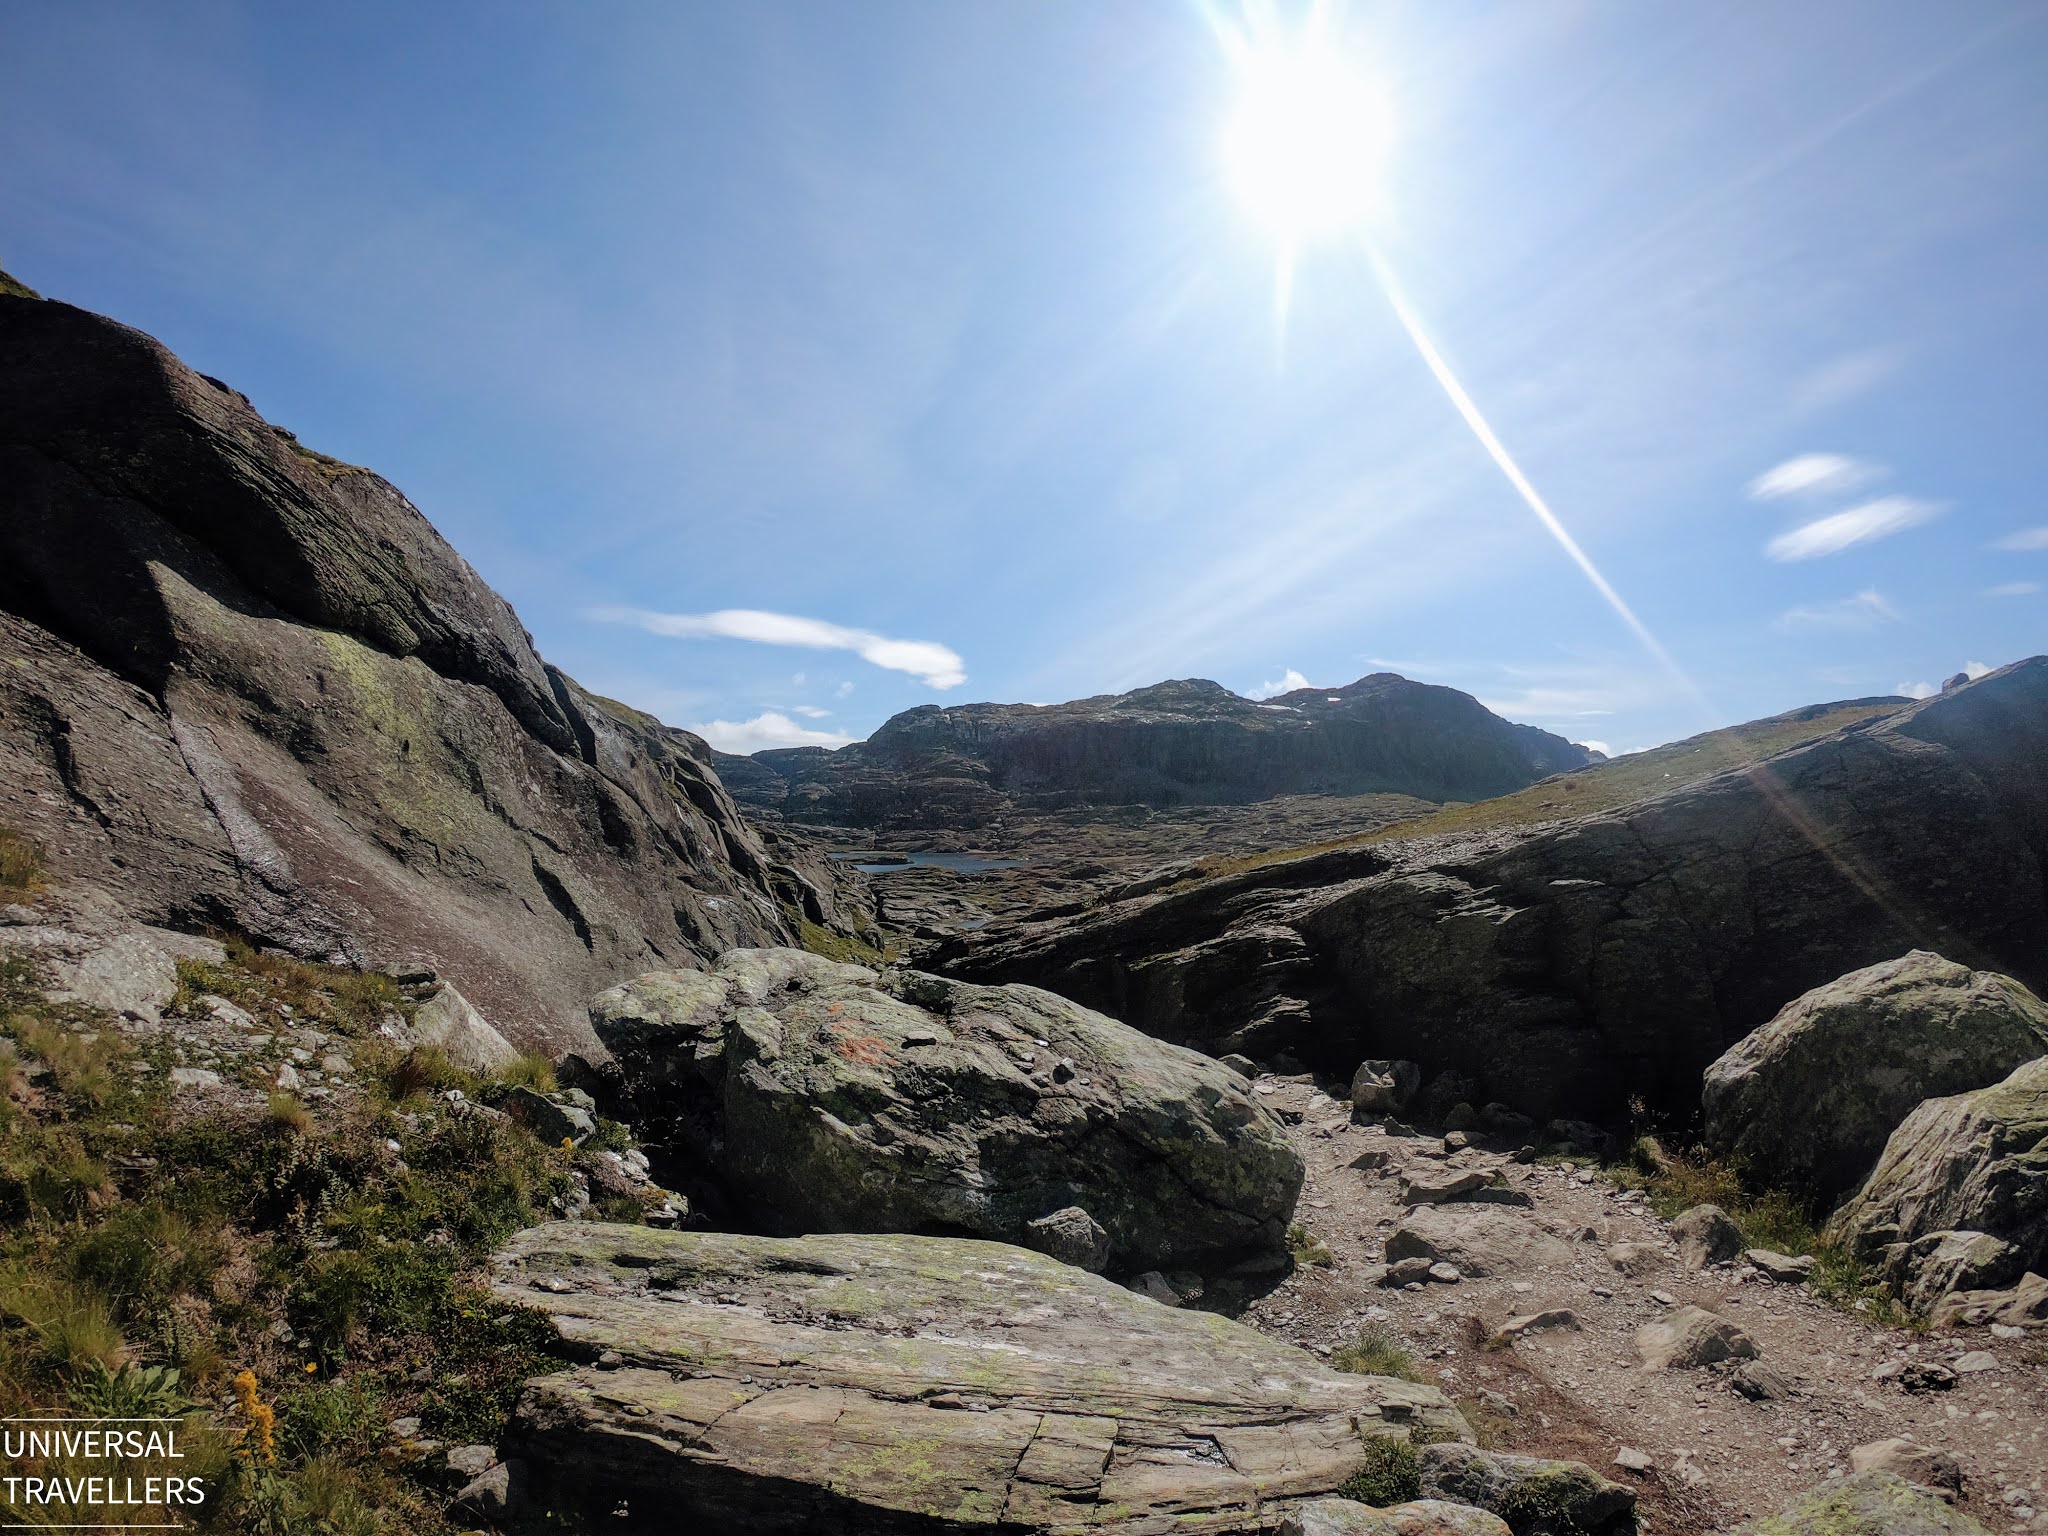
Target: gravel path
{"type": "Point", "coordinates": [1717, 1455]}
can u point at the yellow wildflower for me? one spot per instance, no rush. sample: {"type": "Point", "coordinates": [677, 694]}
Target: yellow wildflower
{"type": "Point", "coordinates": [262, 1420]}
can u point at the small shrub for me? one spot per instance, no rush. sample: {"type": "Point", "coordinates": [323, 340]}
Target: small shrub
{"type": "Point", "coordinates": [21, 866]}
{"type": "Point", "coordinates": [1377, 1351]}
{"type": "Point", "coordinates": [1305, 1250]}
{"type": "Point", "coordinates": [132, 1392]}
{"type": "Point", "coordinates": [75, 1329]}
{"type": "Point", "coordinates": [81, 1065]}
{"type": "Point", "coordinates": [288, 1116]}
{"type": "Point", "coordinates": [423, 1071]}
{"type": "Point", "coordinates": [1391, 1474]}
{"type": "Point", "coordinates": [49, 1174]}
{"type": "Point", "coordinates": [143, 1257]}
{"type": "Point", "coordinates": [331, 1416]}
{"type": "Point", "coordinates": [531, 1070]}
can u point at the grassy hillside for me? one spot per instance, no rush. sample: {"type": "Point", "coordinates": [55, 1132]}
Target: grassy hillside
{"type": "Point", "coordinates": [1604, 786]}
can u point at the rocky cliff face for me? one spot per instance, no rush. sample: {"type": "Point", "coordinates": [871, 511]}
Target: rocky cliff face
{"type": "Point", "coordinates": [1180, 743]}
{"type": "Point", "coordinates": [249, 686]}
{"type": "Point", "coordinates": [1563, 968]}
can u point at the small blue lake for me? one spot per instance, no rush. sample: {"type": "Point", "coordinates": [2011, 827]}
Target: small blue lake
{"type": "Point", "coordinates": [868, 862]}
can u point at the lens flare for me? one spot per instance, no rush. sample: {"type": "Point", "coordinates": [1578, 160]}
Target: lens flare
{"type": "Point", "coordinates": [1306, 148]}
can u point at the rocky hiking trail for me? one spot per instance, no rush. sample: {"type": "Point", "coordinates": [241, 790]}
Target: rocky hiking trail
{"type": "Point", "coordinates": [1577, 1387]}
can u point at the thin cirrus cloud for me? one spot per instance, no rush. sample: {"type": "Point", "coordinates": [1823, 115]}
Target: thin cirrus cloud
{"type": "Point", "coordinates": [765, 730]}
{"type": "Point", "coordinates": [1860, 524]}
{"type": "Point", "coordinates": [1813, 474]}
{"type": "Point", "coordinates": [2025, 539]}
{"type": "Point", "coordinates": [1866, 610]}
{"type": "Point", "coordinates": [935, 665]}
{"type": "Point", "coordinates": [2013, 589]}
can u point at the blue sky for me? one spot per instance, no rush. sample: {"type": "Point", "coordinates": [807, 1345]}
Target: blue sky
{"type": "Point", "coordinates": [788, 365]}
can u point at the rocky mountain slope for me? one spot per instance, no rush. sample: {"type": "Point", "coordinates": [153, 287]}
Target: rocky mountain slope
{"type": "Point", "coordinates": [1190, 742]}
{"type": "Point", "coordinates": [1564, 967]}
{"type": "Point", "coordinates": [248, 686]}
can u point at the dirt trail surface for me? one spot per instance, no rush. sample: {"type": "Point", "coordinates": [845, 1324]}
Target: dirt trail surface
{"type": "Point", "coordinates": [1718, 1456]}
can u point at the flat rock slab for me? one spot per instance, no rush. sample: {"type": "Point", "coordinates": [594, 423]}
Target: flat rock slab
{"type": "Point", "coordinates": [884, 1384]}
{"type": "Point", "coordinates": [1480, 1240]}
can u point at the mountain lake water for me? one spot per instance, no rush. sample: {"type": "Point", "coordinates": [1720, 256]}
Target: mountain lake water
{"type": "Point", "coordinates": [869, 862]}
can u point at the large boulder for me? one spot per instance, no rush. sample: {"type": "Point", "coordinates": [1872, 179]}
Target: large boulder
{"type": "Point", "coordinates": [1866, 1504]}
{"type": "Point", "coordinates": [833, 1098]}
{"type": "Point", "coordinates": [867, 1383]}
{"type": "Point", "coordinates": [1809, 1100]}
{"type": "Point", "coordinates": [1959, 1199]}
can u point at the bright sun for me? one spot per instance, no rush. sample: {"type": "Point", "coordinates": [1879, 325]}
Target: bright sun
{"type": "Point", "coordinates": [1306, 146]}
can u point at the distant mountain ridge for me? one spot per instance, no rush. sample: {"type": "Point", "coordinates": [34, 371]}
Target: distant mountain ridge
{"type": "Point", "coordinates": [1185, 742]}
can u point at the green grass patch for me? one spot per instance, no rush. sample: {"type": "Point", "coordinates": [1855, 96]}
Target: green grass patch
{"type": "Point", "coordinates": [1306, 1249]}
{"type": "Point", "coordinates": [15, 288]}
{"type": "Point", "coordinates": [1376, 1350]}
{"type": "Point", "coordinates": [820, 940]}
{"type": "Point", "coordinates": [332, 1252]}
{"type": "Point", "coordinates": [328, 997]}
{"type": "Point", "coordinates": [1769, 1218]}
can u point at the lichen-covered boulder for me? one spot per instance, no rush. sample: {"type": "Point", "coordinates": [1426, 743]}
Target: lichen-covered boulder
{"type": "Point", "coordinates": [1809, 1100]}
{"type": "Point", "coordinates": [1959, 1199]}
{"type": "Point", "coordinates": [834, 1098]}
{"type": "Point", "coordinates": [1534, 1495]}
{"type": "Point", "coordinates": [863, 1383]}
{"type": "Point", "coordinates": [1866, 1504]}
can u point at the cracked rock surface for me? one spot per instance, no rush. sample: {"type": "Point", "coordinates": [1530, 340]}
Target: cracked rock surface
{"type": "Point", "coordinates": [872, 1383]}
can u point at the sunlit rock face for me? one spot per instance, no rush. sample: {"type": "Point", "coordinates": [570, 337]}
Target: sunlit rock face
{"type": "Point", "coordinates": [1570, 966]}
{"type": "Point", "coordinates": [250, 686]}
{"type": "Point", "coordinates": [1809, 1100]}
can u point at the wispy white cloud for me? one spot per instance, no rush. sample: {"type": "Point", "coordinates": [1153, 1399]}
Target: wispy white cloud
{"type": "Point", "coordinates": [1553, 703]}
{"type": "Point", "coordinates": [1286, 682]}
{"type": "Point", "coordinates": [1866, 610]}
{"type": "Point", "coordinates": [1860, 524]}
{"type": "Point", "coordinates": [2026, 538]}
{"type": "Point", "coordinates": [1813, 474]}
{"type": "Point", "coordinates": [1970, 669]}
{"type": "Point", "coordinates": [765, 730]}
{"type": "Point", "coordinates": [811, 711]}
{"type": "Point", "coordinates": [937, 666]}
{"type": "Point", "coordinates": [2013, 589]}
{"type": "Point", "coordinates": [1597, 746]}
{"type": "Point", "coordinates": [1846, 377]}
{"type": "Point", "coordinates": [843, 689]}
